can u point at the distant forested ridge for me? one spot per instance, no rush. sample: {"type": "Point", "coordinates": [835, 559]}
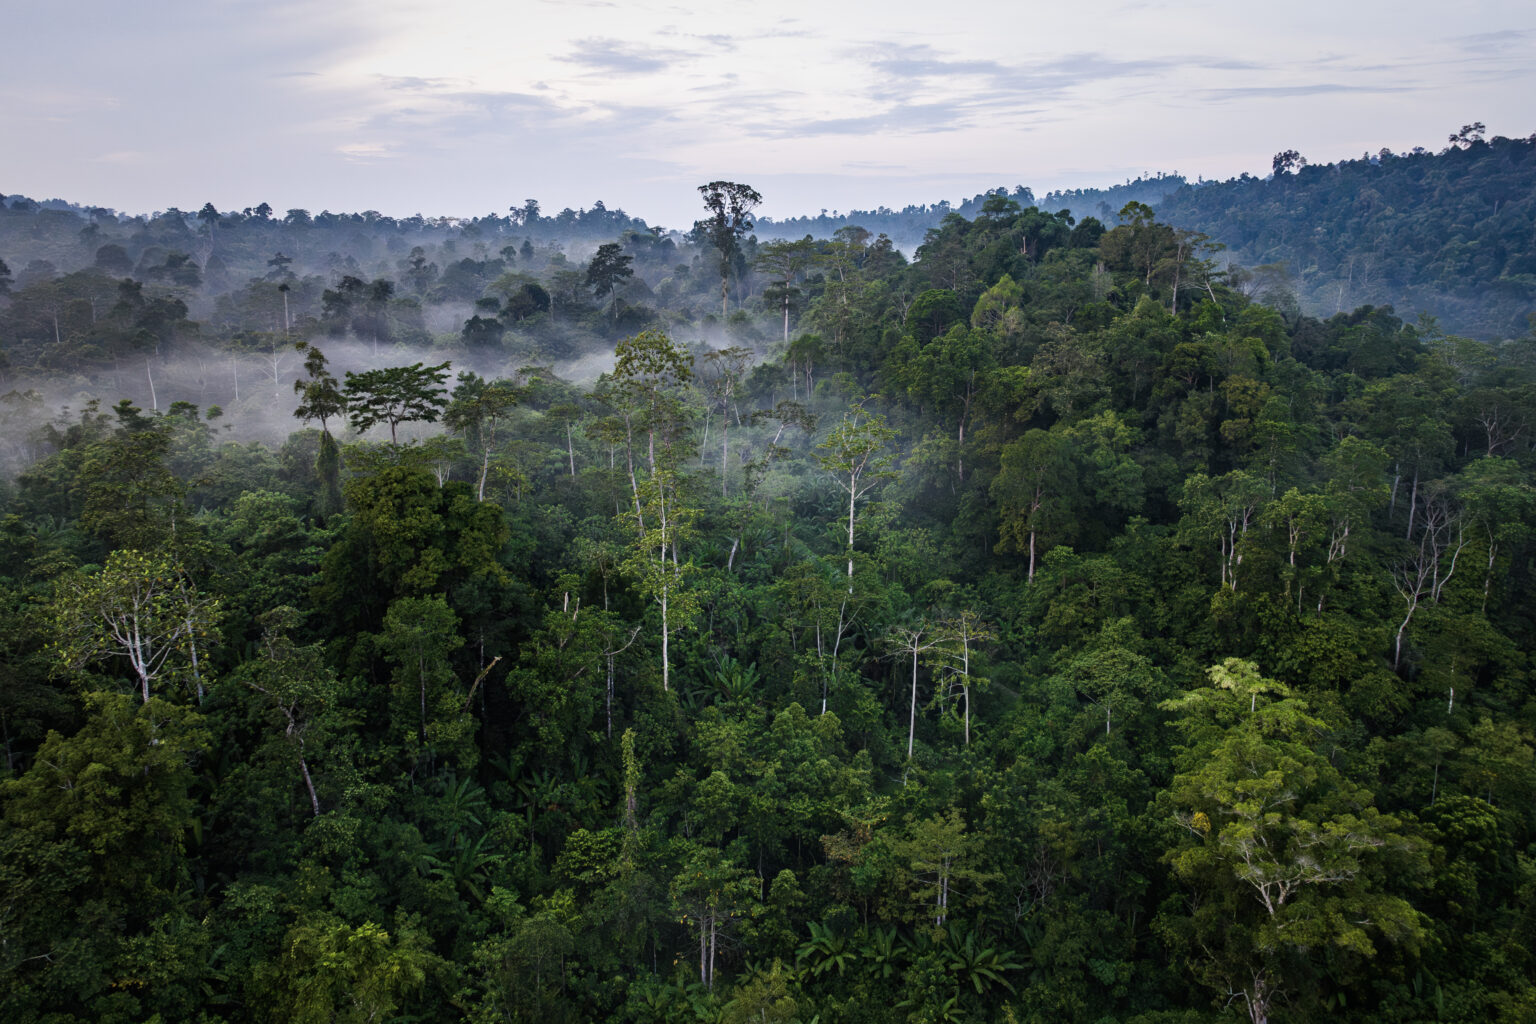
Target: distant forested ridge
{"type": "Point", "coordinates": [1449, 234]}
{"type": "Point", "coordinates": [463, 621]}
{"type": "Point", "coordinates": [1452, 234]}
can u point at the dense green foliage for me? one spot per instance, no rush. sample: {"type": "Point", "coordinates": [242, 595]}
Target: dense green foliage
{"type": "Point", "coordinates": [1038, 631]}
{"type": "Point", "coordinates": [1448, 233]}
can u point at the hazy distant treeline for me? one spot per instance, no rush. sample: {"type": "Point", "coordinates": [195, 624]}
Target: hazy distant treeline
{"type": "Point", "coordinates": [1449, 234]}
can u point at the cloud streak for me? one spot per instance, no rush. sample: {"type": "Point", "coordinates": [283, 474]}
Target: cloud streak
{"type": "Point", "coordinates": [614, 57]}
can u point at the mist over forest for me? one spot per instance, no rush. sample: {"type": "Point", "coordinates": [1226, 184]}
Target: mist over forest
{"type": "Point", "coordinates": [1114, 605]}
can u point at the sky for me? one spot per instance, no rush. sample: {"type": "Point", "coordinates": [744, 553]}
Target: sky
{"type": "Point", "coordinates": [464, 107]}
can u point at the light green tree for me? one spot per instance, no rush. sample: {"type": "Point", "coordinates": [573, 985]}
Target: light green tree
{"type": "Point", "coordinates": [141, 608]}
{"type": "Point", "coordinates": [331, 972]}
{"type": "Point", "coordinates": [856, 453]}
{"type": "Point", "coordinates": [1285, 858]}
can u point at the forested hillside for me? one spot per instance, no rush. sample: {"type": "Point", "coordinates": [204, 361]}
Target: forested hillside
{"type": "Point", "coordinates": [413, 620]}
{"type": "Point", "coordinates": [1453, 234]}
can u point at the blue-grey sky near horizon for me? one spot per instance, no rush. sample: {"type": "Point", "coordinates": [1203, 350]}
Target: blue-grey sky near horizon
{"type": "Point", "coordinates": [465, 107]}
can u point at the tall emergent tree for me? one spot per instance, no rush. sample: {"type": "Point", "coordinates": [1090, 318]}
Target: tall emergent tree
{"type": "Point", "coordinates": [610, 265]}
{"type": "Point", "coordinates": [320, 398]}
{"type": "Point", "coordinates": [651, 378]}
{"type": "Point", "coordinates": [396, 395]}
{"type": "Point", "coordinates": [785, 260]}
{"type": "Point", "coordinates": [857, 457]}
{"type": "Point", "coordinates": [730, 208]}
{"type": "Point", "coordinates": [477, 409]}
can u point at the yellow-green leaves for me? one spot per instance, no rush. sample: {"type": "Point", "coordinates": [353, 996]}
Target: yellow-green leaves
{"type": "Point", "coordinates": [140, 607]}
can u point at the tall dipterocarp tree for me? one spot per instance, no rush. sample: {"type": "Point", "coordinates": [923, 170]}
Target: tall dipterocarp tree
{"type": "Point", "coordinates": [948, 375]}
{"type": "Point", "coordinates": [428, 709]}
{"type": "Point", "coordinates": [960, 636]}
{"type": "Point", "coordinates": [131, 497]}
{"type": "Point", "coordinates": [1036, 490]}
{"type": "Point", "coordinates": [662, 524]}
{"type": "Point", "coordinates": [1422, 576]}
{"type": "Point", "coordinates": [730, 208]}
{"type": "Point", "coordinates": [649, 393]}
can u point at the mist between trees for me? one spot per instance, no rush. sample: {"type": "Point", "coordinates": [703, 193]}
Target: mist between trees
{"type": "Point", "coordinates": [665, 626]}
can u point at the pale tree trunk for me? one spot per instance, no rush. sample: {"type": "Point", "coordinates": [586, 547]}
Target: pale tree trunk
{"type": "Point", "coordinates": [852, 494]}
{"type": "Point", "coordinates": [1493, 556]}
{"type": "Point", "coordinates": [309, 784]}
{"type": "Point", "coordinates": [714, 929]}
{"type": "Point", "coordinates": [912, 715]}
{"type": "Point", "coordinates": [665, 668]}
{"type": "Point", "coordinates": [422, 672]}
{"type": "Point", "coordinates": [1413, 505]}
{"type": "Point", "coordinates": [965, 692]}
{"type": "Point", "coordinates": [725, 451]}
{"type": "Point", "coordinates": [661, 501]}
{"type": "Point", "coordinates": [1258, 997]}
{"type": "Point", "coordinates": [608, 703]}
{"type": "Point", "coordinates": [197, 675]}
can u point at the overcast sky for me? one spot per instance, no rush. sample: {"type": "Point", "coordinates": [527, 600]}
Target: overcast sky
{"type": "Point", "coordinates": [464, 107]}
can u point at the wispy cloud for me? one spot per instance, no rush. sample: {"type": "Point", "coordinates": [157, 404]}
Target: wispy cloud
{"type": "Point", "coordinates": [413, 83]}
{"type": "Point", "coordinates": [1293, 91]}
{"type": "Point", "coordinates": [1494, 42]}
{"type": "Point", "coordinates": [364, 152]}
{"type": "Point", "coordinates": [908, 118]}
{"type": "Point", "coordinates": [615, 57]}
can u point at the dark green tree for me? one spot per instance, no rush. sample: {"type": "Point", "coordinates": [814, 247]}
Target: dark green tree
{"type": "Point", "coordinates": [395, 395]}
{"type": "Point", "coordinates": [730, 207]}
{"type": "Point", "coordinates": [321, 398]}
{"type": "Point", "coordinates": [610, 266]}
